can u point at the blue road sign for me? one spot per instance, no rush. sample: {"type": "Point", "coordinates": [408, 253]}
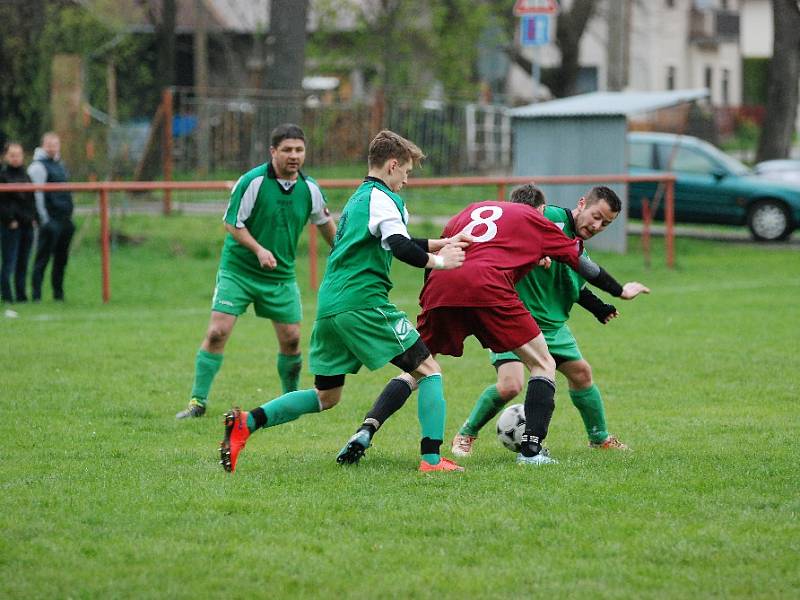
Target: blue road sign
{"type": "Point", "coordinates": [534, 30]}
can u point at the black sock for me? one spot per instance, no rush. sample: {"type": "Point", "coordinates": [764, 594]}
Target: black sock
{"type": "Point", "coordinates": [259, 417]}
{"type": "Point", "coordinates": [539, 406]}
{"type": "Point", "coordinates": [391, 399]}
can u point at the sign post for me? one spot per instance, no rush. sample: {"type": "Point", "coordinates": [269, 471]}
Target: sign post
{"type": "Point", "coordinates": [535, 31]}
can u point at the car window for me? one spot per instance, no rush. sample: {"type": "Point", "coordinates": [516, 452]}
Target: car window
{"type": "Point", "coordinates": [687, 160]}
{"type": "Point", "coordinates": [640, 154]}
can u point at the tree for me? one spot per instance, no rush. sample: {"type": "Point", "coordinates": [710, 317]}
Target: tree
{"type": "Point", "coordinates": [783, 78]}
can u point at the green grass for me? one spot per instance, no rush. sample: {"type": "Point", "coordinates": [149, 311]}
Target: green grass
{"type": "Point", "coordinates": [106, 495]}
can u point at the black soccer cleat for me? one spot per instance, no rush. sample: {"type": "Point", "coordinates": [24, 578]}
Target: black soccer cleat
{"type": "Point", "coordinates": [354, 448]}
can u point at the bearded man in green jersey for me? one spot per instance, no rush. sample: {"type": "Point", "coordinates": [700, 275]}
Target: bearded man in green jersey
{"type": "Point", "coordinates": [549, 295]}
{"type": "Point", "coordinates": [356, 324]}
{"type": "Point", "coordinates": [268, 210]}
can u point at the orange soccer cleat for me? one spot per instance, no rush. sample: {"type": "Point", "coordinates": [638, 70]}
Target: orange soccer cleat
{"type": "Point", "coordinates": [236, 434]}
{"type": "Point", "coordinates": [443, 465]}
{"type": "Point", "coordinates": [610, 443]}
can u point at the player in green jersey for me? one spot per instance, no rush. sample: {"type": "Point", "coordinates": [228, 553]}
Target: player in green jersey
{"type": "Point", "coordinates": [356, 324]}
{"type": "Point", "coordinates": [549, 295]}
{"type": "Point", "coordinates": [269, 207]}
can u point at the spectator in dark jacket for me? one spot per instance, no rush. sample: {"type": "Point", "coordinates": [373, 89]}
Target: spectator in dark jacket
{"type": "Point", "coordinates": [17, 217]}
{"type": "Point", "coordinates": [55, 216]}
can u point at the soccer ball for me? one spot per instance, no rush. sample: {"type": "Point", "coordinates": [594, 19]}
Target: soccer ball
{"type": "Point", "coordinates": [511, 426]}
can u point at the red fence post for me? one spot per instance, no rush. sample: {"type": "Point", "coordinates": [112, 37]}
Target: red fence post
{"type": "Point", "coordinates": [105, 245]}
{"type": "Point", "coordinates": [669, 222]}
{"type": "Point", "coordinates": [166, 147]}
{"type": "Point", "coordinates": [501, 192]}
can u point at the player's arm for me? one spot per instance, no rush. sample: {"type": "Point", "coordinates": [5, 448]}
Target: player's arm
{"type": "Point", "coordinates": [328, 231]}
{"type": "Point", "coordinates": [603, 312]}
{"type": "Point", "coordinates": [243, 236]}
{"type": "Point", "coordinates": [320, 215]}
{"type": "Point", "coordinates": [387, 223]}
{"type": "Point", "coordinates": [413, 251]}
{"type": "Point", "coordinates": [600, 278]}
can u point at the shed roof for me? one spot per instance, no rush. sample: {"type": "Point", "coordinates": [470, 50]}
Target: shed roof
{"type": "Point", "coordinates": [608, 104]}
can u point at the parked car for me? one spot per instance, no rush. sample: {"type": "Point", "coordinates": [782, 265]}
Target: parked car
{"type": "Point", "coordinates": [783, 170]}
{"type": "Point", "coordinates": [711, 187]}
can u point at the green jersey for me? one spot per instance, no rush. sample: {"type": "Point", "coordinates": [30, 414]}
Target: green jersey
{"type": "Point", "coordinates": [274, 211]}
{"type": "Point", "coordinates": [550, 293]}
{"type": "Point", "coordinates": [357, 273]}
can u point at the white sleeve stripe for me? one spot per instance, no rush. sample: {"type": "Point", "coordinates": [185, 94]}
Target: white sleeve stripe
{"type": "Point", "coordinates": [385, 218]}
{"type": "Point", "coordinates": [319, 216]}
{"type": "Point", "coordinates": [248, 201]}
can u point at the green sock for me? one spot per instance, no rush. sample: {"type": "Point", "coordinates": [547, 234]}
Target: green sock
{"type": "Point", "coordinates": [287, 408]}
{"type": "Point", "coordinates": [431, 412]}
{"type": "Point", "coordinates": [289, 366]}
{"type": "Point", "coordinates": [206, 365]}
{"type": "Point", "coordinates": [590, 404]}
{"type": "Point", "coordinates": [488, 405]}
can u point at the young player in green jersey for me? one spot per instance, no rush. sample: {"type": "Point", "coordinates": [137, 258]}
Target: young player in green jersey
{"type": "Point", "coordinates": [549, 295]}
{"type": "Point", "coordinates": [356, 324]}
{"type": "Point", "coordinates": [269, 207]}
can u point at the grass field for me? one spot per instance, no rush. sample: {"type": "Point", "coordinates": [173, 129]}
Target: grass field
{"type": "Point", "coordinates": [106, 495]}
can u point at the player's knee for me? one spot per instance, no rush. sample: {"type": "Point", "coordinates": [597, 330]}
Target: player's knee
{"type": "Point", "coordinates": [290, 345]}
{"type": "Point", "coordinates": [217, 336]}
{"type": "Point", "coordinates": [508, 387]}
{"type": "Point", "coordinates": [582, 376]}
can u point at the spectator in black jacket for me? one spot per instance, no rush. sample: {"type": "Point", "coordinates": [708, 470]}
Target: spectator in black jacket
{"type": "Point", "coordinates": [17, 217]}
{"type": "Point", "coordinates": [55, 216]}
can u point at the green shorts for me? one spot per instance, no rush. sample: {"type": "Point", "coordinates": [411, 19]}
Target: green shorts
{"type": "Point", "coordinates": [560, 342]}
{"type": "Point", "coordinates": [277, 301]}
{"type": "Point", "coordinates": [341, 343]}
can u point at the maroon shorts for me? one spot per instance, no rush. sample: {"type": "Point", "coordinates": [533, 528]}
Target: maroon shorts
{"type": "Point", "coordinates": [501, 328]}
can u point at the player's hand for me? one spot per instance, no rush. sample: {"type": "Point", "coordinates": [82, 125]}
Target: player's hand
{"type": "Point", "coordinates": [632, 289]}
{"type": "Point", "coordinates": [266, 259]}
{"type": "Point", "coordinates": [461, 239]}
{"type": "Point", "coordinates": [453, 256]}
{"type": "Point", "coordinates": [545, 262]}
{"type": "Point", "coordinates": [610, 316]}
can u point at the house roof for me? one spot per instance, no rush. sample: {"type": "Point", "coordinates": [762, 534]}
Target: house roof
{"type": "Point", "coordinates": [608, 104]}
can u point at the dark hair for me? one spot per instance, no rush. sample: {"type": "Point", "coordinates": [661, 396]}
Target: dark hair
{"type": "Point", "coordinates": [387, 144]}
{"type": "Point", "coordinates": [528, 194]}
{"type": "Point", "coordinates": [286, 131]}
{"type": "Point", "coordinates": [602, 192]}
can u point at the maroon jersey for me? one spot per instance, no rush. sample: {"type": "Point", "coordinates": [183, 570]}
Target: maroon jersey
{"type": "Point", "coordinates": [509, 239]}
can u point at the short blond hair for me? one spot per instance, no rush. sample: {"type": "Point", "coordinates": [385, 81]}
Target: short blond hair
{"type": "Point", "coordinates": [387, 145]}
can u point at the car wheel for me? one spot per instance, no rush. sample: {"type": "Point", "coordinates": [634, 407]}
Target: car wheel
{"type": "Point", "coordinates": [769, 221]}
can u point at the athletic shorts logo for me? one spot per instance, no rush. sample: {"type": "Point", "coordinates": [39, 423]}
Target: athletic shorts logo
{"type": "Point", "coordinates": [402, 328]}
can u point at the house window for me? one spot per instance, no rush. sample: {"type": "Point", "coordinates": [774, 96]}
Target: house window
{"type": "Point", "coordinates": [670, 78]}
{"type": "Point", "coordinates": [709, 77]}
{"type": "Point", "coordinates": [726, 92]}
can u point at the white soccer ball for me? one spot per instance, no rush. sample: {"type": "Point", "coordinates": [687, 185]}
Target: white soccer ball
{"type": "Point", "coordinates": [511, 426]}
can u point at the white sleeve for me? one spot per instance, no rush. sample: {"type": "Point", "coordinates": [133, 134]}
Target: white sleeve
{"type": "Point", "coordinates": [319, 212]}
{"type": "Point", "coordinates": [38, 174]}
{"type": "Point", "coordinates": [247, 202]}
{"type": "Point", "coordinates": [385, 218]}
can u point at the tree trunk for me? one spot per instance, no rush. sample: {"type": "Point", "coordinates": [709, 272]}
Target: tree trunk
{"type": "Point", "coordinates": [783, 79]}
{"type": "Point", "coordinates": [571, 25]}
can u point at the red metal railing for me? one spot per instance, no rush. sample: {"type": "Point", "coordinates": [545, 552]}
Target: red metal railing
{"type": "Point", "coordinates": [105, 188]}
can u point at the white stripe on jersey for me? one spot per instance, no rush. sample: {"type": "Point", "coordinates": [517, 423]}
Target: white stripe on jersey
{"type": "Point", "coordinates": [319, 216]}
{"type": "Point", "coordinates": [384, 217]}
{"type": "Point", "coordinates": [248, 201]}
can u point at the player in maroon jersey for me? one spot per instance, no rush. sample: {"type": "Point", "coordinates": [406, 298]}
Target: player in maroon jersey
{"type": "Point", "coordinates": [509, 239]}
